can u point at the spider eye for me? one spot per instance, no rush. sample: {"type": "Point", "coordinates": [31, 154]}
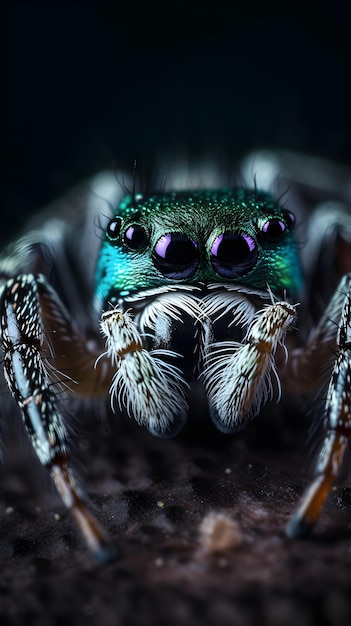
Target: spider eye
{"type": "Point", "coordinates": [233, 254]}
{"type": "Point", "coordinates": [274, 230]}
{"type": "Point", "coordinates": [290, 218]}
{"type": "Point", "coordinates": [135, 237]}
{"type": "Point", "coordinates": [114, 228]}
{"type": "Point", "coordinates": [176, 256]}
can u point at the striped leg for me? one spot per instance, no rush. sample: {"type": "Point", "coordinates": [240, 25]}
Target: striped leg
{"type": "Point", "coordinates": [27, 375]}
{"type": "Point", "coordinates": [337, 426]}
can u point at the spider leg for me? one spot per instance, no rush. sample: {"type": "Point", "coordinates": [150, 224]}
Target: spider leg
{"type": "Point", "coordinates": [305, 371]}
{"type": "Point", "coordinates": [337, 426]}
{"type": "Point", "coordinates": [237, 376]}
{"type": "Point", "coordinates": [152, 390]}
{"type": "Point", "coordinates": [28, 377]}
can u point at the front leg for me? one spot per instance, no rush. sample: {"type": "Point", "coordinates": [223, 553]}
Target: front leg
{"type": "Point", "coordinates": [152, 390]}
{"type": "Point", "coordinates": [27, 375]}
{"type": "Point", "coordinates": [337, 425]}
{"type": "Point", "coordinates": [238, 376]}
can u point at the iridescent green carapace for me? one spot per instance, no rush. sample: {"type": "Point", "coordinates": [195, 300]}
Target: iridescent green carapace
{"type": "Point", "coordinates": [198, 237]}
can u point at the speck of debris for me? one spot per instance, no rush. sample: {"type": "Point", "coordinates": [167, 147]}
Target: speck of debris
{"type": "Point", "coordinates": [9, 510]}
{"type": "Point", "coordinates": [57, 517]}
{"type": "Point", "coordinates": [219, 533]}
{"type": "Point", "coordinates": [222, 562]}
{"type": "Point", "coordinates": [160, 504]}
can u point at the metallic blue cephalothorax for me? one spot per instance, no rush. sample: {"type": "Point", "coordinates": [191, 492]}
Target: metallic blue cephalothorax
{"type": "Point", "coordinates": [199, 236]}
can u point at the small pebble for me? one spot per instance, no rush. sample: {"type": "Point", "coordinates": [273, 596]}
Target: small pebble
{"type": "Point", "coordinates": [219, 533]}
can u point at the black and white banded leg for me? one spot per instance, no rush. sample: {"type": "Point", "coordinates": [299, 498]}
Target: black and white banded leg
{"type": "Point", "coordinates": [30, 381]}
{"type": "Point", "coordinates": [337, 420]}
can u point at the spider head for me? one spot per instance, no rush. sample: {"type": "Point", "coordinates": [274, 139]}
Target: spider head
{"type": "Point", "coordinates": [199, 237]}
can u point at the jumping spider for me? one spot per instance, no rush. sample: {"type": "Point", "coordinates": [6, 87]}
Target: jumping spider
{"type": "Point", "coordinates": [199, 282]}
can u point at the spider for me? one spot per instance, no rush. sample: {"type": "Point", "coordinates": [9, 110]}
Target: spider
{"type": "Point", "coordinates": [196, 282]}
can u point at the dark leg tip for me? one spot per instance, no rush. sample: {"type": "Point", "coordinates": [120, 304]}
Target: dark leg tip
{"type": "Point", "coordinates": [105, 554]}
{"type": "Point", "coordinates": [298, 528]}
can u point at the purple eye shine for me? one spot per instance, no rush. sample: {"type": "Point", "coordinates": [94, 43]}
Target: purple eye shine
{"type": "Point", "coordinates": [176, 256]}
{"type": "Point", "coordinates": [221, 241]}
{"type": "Point", "coordinates": [163, 245]}
{"type": "Point", "coordinates": [274, 230]}
{"type": "Point", "coordinates": [135, 237]}
{"type": "Point", "coordinates": [233, 254]}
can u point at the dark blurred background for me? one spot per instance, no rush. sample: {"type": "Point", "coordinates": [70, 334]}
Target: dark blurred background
{"type": "Point", "coordinates": [90, 84]}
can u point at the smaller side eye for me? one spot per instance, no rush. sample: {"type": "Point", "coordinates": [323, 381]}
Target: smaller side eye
{"type": "Point", "coordinates": [114, 228]}
{"type": "Point", "coordinates": [135, 237]}
{"type": "Point", "coordinates": [274, 230]}
{"type": "Point", "coordinates": [290, 218]}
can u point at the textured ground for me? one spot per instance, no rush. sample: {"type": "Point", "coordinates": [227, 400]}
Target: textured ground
{"type": "Point", "coordinates": [153, 497]}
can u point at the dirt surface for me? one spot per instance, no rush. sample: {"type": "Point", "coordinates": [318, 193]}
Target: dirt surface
{"type": "Point", "coordinates": [160, 501]}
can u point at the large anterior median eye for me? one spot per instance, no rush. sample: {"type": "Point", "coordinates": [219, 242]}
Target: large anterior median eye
{"type": "Point", "coordinates": [233, 254]}
{"type": "Point", "coordinates": [176, 256]}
